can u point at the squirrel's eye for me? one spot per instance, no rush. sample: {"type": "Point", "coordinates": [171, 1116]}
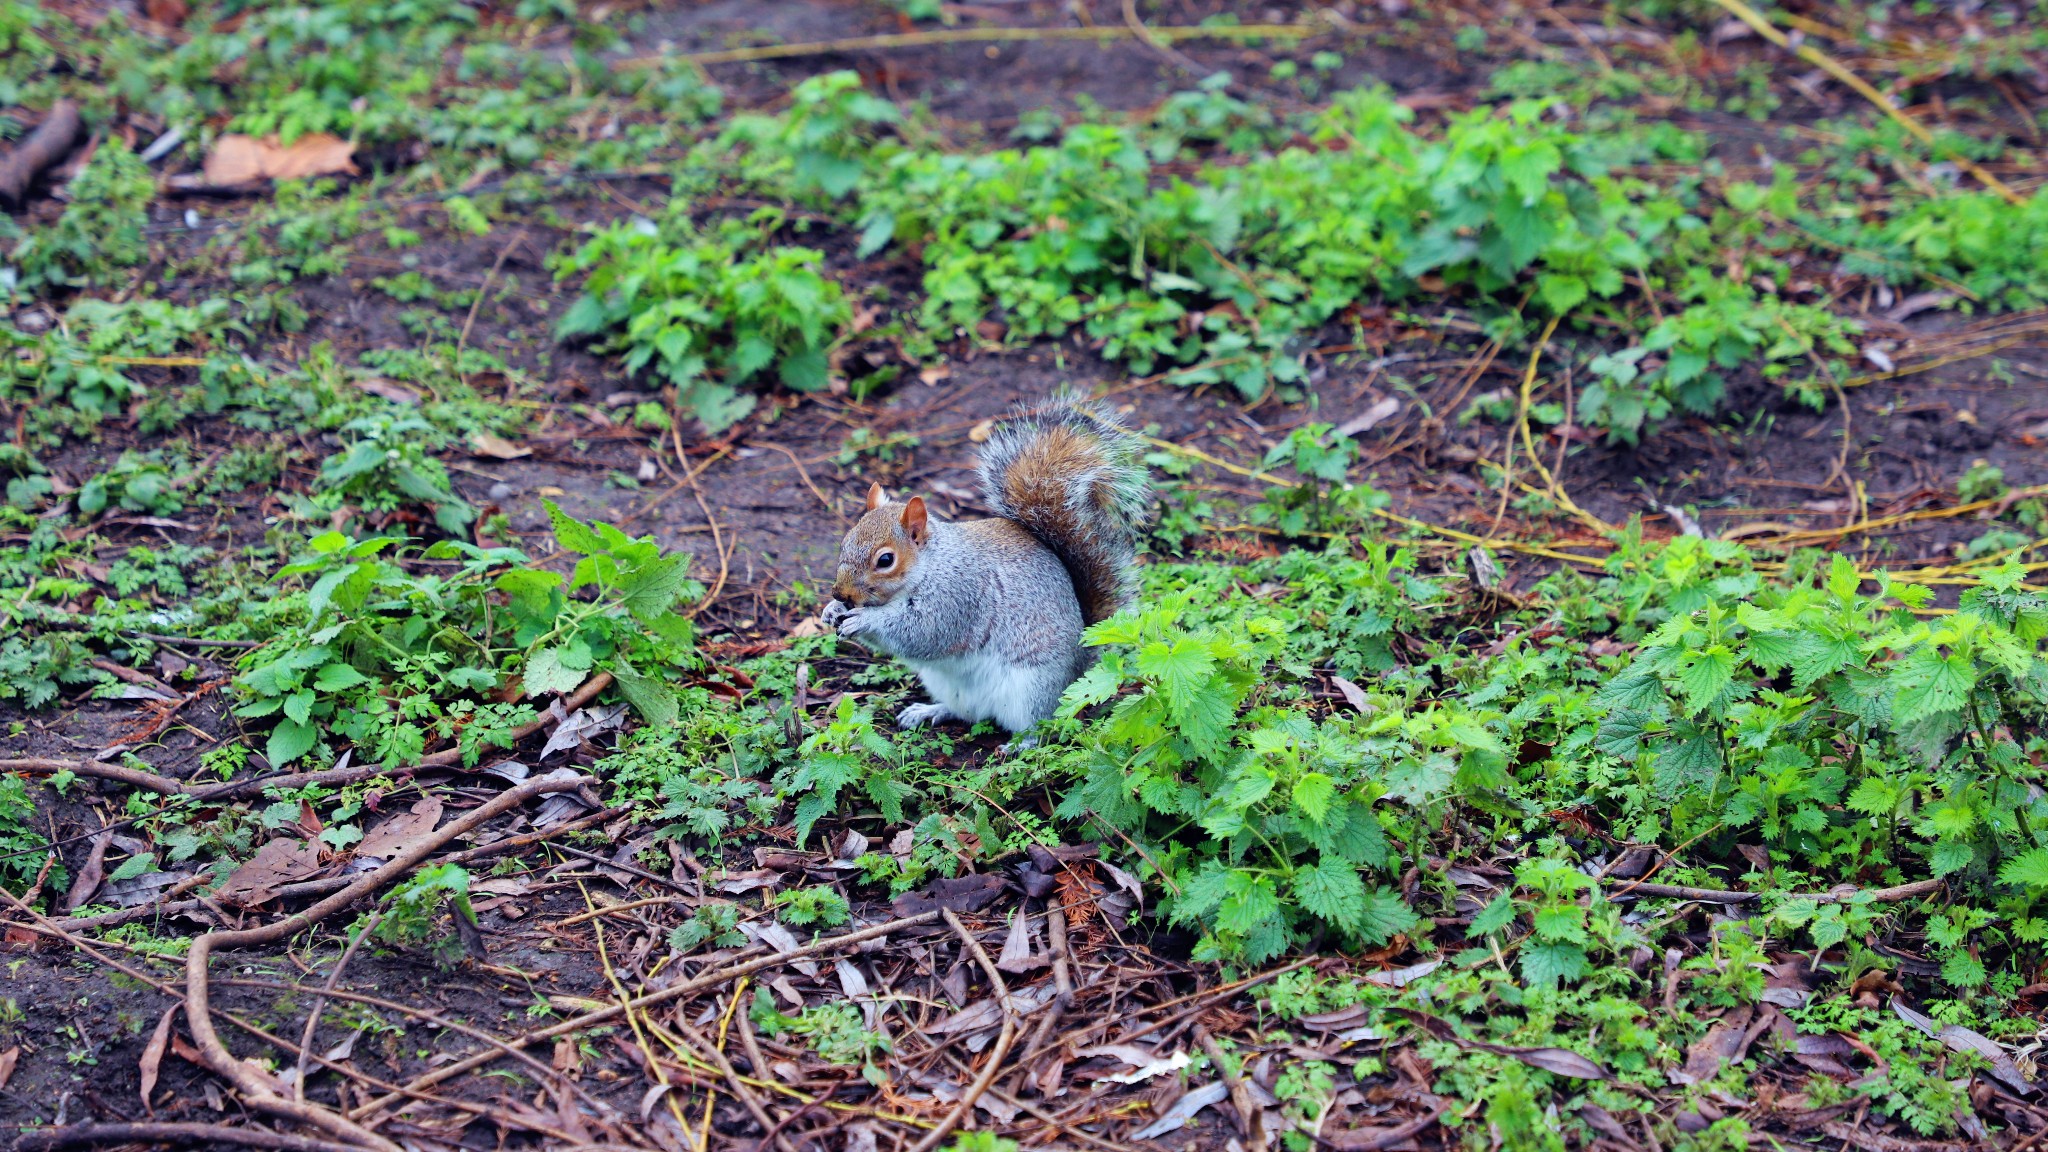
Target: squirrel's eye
{"type": "Point", "coordinates": [885, 560]}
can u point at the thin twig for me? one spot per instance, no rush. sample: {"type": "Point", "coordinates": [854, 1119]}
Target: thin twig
{"type": "Point", "coordinates": [320, 1001]}
{"type": "Point", "coordinates": [1840, 895]}
{"type": "Point", "coordinates": [106, 1135]}
{"type": "Point", "coordinates": [994, 1068]}
{"type": "Point", "coordinates": [704, 1048]}
{"type": "Point", "coordinates": [258, 1089]}
{"type": "Point", "coordinates": [332, 883]}
{"type": "Point", "coordinates": [1862, 87]}
{"type": "Point", "coordinates": [976, 36]}
{"type": "Point", "coordinates": [477, 304]}
{"type": "Point", "coordinates": [1240, 1093]}
{"type": "Point", "coordinates": [674, 991]}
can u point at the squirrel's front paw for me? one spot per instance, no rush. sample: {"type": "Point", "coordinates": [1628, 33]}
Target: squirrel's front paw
{"type": "Point", "coordinates": [833, 613]}
{"type": "Point", "coordinates": [852, 622]}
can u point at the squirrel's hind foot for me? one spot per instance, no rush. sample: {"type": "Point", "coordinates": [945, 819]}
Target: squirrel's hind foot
{"type": "Point", "coordinates": [919, 715]}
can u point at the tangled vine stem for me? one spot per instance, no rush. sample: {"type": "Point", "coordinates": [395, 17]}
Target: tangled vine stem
{"type": "Point", "coordinates": [258, 1088]}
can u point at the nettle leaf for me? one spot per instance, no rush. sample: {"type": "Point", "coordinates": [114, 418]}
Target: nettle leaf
{"type": "Point", "coordinates": [572, 534]}
{"type": "Point", "coordinates": [1201, 894]}
{"type": "Point", "coordinates": [1312, 794]}
{"type": "Point", "coordinates": [1688, 763]}
{"type": "Point", "coordinates": [1249, 901]}
{"type": "Point", "coordinates": [1561, 922]}
{"type": "Point", "coordinates": [1181, 668]}
{"type": "Point", "coordinates": [1548, 965]}
{"type": "Point", "coordinates": [654, 700]}
{"type": "Point", "coordinates": [1950, 856]}
{"type": "Point", "coordinates": [335, 677]}
{"type": "Point", "coordinates": [1875, 796]}
{"type": "Point", "coordinates": [547, 672]}
{"type": "Point", "coordinates": [651, 589]}
{"type": "Point", "coordinates": [1827, 927]}
{"type": "Point", "coordinates": [1386, 915]}
{"type": "Point", "coordinates": [1492, 918]}
{"type": "Point", "coordinates": [1706, 675]}
{"type": "Point", "coordinates": [1928, 683]}
{"type": "Point", "coordinates": [2028, 870]}
{"type": "Point", "coordinates": [1332, 891]}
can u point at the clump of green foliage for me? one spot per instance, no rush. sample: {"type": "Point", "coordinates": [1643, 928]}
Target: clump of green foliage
{"type": "Point", "coordinates": [707, 313]}
{"type": "Point", "coordinates": [99, 236]}
{"type": "Point", "coordinates": [390, 659]}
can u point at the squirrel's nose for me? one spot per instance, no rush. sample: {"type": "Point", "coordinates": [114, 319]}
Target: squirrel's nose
{"type": "Point", "coordinates": [847, 593]}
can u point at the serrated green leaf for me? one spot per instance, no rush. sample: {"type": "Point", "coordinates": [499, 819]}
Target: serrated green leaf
{"type": "Point", "coordinates": [572, 534]}
{"type": "Point", "coordinates": [1333, 891]}
{"type": "Point", "coordinates": [1312, 794]}
{"type": "Point", "coordinates": [1492, 918]}
{"type": "Point", "coordinates": [546, 672]}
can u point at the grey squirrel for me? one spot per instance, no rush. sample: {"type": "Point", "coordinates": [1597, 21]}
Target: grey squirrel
{"type": "Point", "coordinates": [989, 613]}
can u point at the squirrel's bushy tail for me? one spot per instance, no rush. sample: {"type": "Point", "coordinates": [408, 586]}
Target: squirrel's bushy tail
{"type": "Point", "coordinates": [1069, 472]}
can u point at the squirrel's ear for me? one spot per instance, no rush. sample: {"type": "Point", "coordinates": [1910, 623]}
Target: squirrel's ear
{"type": "Point", "coordinates": [914, 521]}
{"type": "Point", "coordinates": [876, 497]}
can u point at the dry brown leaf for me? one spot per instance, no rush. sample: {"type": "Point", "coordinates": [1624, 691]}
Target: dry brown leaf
{"type": "Point", "coordinates": [279, 862]}
{"type": "Point", "coordinates": [1353, 695]}
{"type": "Point", "coordinates": [238, 159]}
{"type": "Point", "coordinates": [496, 447]}
{"type": "Point", "coordinates": [168, 12]}
{"type": "Point", "coordinates": [1722, 1042]}
{"type": "Point", "coordinates": [1017, 957]}
{"type": "Point", "coordinates": [389, 389]}
{"type": "Point", "coordinates": [982, 431]}
{"type": "Point", "coordinates": [153, 1055]}
{"type": "Point", "coordinates": [90, 876]}
{"type": "Point", "coordinates": [8, 1060]}
{"type": "Point", "coordinates": [397, 833]}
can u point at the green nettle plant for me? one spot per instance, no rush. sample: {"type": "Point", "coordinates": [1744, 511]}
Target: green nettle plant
{"type": "Point", "coordinates": [707, 314]}
{"type": "Point", "coordinates": [1268, 820]}
{"type": "Point", "coordinates": [1850, 731]}
{"type": "Point", "coordinates": [392, 660]}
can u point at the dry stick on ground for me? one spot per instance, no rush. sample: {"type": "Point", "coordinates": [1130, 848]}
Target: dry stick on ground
{"type": "Point", "coordinates": [477, 304]}
{"type": "Point", "coordinates": [434, 1019]}
{"type": "Point", "coordinates": [804, 474]}
{"type": "Point", "coordinates": [320, 1002]}
{"type": "Point", "coordinates": [746, 1096]}
{"type": "Point", "coordinates": [44, 147]}
{"type": "Point", "coordinates": [330, 777]}
{"type": "Point", "coordinates": [1248, 1120]}
{"type": "Point", "coordinates": [1862, 87]}
{"type": "Point", "coordinates": [980, 36]}
{"type": "Point", "coordinates": [102, 1135]}
{"type": "Point", "coordinates": [633, 1022]}
{"type": "Point", "coordinates": [257, 1088]}
{"type": "Point", "coordinates": [1059, 1126]}
{"type": "Point", "coordinates": [996, 1054]}
{"type": "Point", "coordinates": [43, 925]}
{"type": "Point", "coordinates": [674, 991]}
{"type": "Point", "coordinates": [1841, 895]}
{"type": "Point", "coordinates": [331, 883]}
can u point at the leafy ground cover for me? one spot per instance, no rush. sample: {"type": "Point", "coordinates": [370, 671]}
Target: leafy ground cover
{"type": "Point", "coordinates": [1587, 691]}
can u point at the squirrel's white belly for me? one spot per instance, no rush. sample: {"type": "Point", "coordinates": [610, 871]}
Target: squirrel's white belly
{"type": "Point", "coordinates": [983, 686]}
